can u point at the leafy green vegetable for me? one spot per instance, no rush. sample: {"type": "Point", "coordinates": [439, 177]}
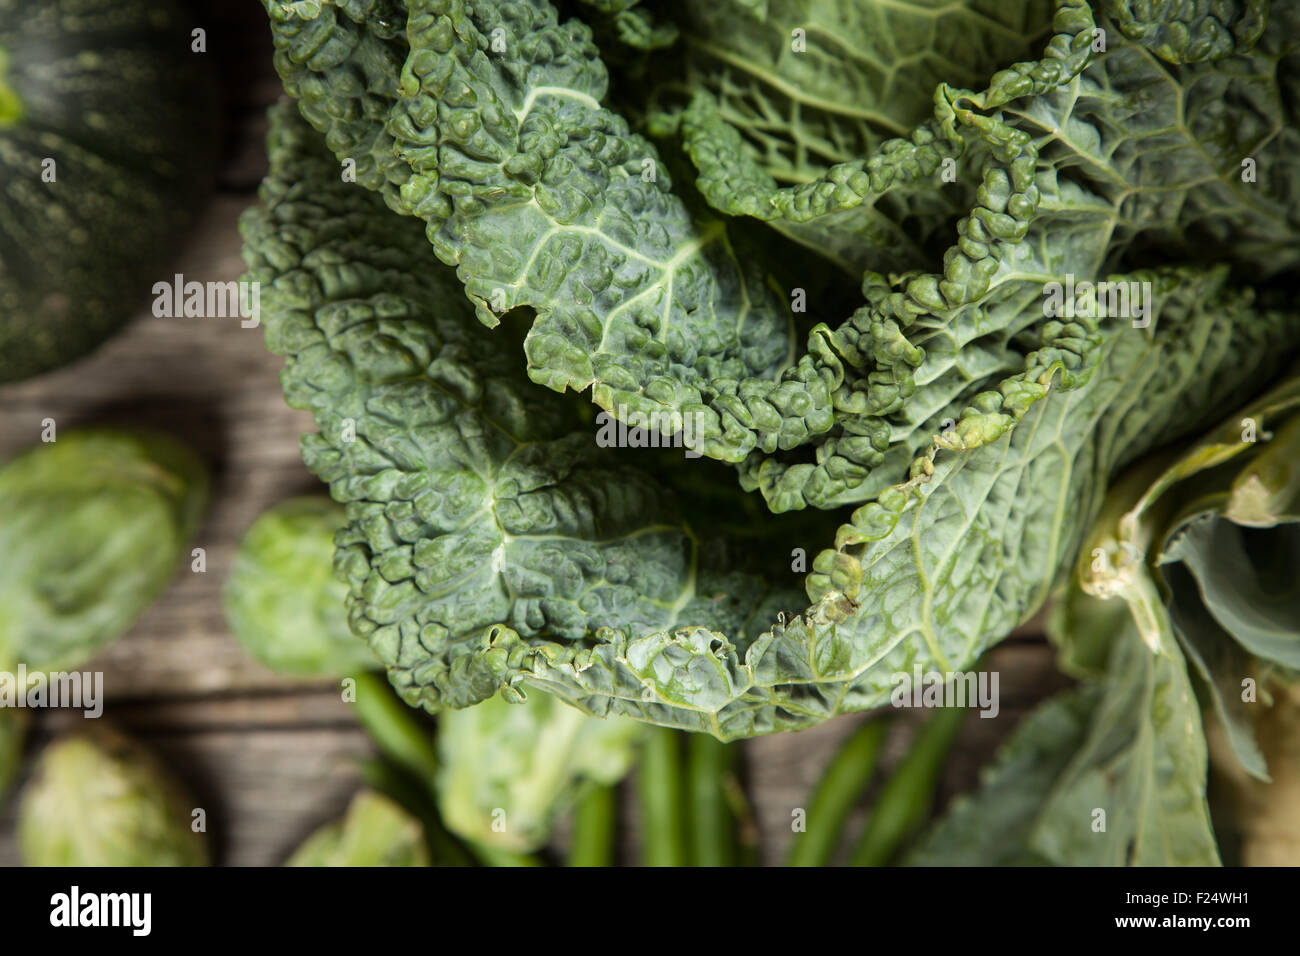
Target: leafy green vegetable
{"type": "Point", "coordinates": [866, 73]}
{"type": "Point", "coordinates": [507, 771]}
{"type": "Point", "coordinates": [1205, 549]}
{"type": "Point", "coordinates": [374, 832]}
{"type": "Point", "coordinates": [101, 800]}
{"type": "Point", "coordinates": [973, 426]}
{"type": "Point", "coordinates": [282, 600]}
{"type": "Point", "coordinates": [779, 97]}
{"type": "Point", "coordinates": [92, 527]}
{"type": "Point", "coordinates": [1184, 596]}
{"type": "Point", "coordinates": [995, 825]}
{"type": "Point", "coordinates": [500, 774]}
{"type": "Point", "coordinates": [1111, 774]}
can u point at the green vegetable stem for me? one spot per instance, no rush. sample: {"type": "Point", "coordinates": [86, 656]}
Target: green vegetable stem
{"type": "Point", "coordinates": [659, 784]}
{"type": "Point", "coordinates": [411, 771]}
{"type": "Point", "coordinates": [398, 732]}
{"type": "Point", "coordinates": [595, 828]}
{"type": "Point", "coordinates": [905, 801]}
{"type": "Point", "coordinates": [490, 855]}
{"type": "Point", "coordinates": [711, 828]}
{"type": "Point", "coordinates": [840, 787]}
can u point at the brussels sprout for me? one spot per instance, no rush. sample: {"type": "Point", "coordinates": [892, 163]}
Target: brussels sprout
{"type": "Point", "coordinates": [375, 832]}
{"type": "Point", "coordinates": [13, 725]}
{"type": "Point", "coordinates": [509, 770]}
{"type": "Point", "coordinates": [92, 527]}
{"type": "Point", "coordinates": [282, 601]}
{"type": "Point", "coordinates": [98, 799]}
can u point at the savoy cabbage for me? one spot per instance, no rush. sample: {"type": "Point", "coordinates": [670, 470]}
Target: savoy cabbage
{"type": "Point", "coordinates": [918, 285]}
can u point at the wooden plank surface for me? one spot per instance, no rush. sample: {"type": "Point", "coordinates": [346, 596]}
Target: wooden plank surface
{"type": "Point", "coordinates": [272, 759]}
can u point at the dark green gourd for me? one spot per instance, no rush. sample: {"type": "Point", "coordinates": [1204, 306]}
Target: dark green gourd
{"type": "Point", "coordinates": [106, 98]}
